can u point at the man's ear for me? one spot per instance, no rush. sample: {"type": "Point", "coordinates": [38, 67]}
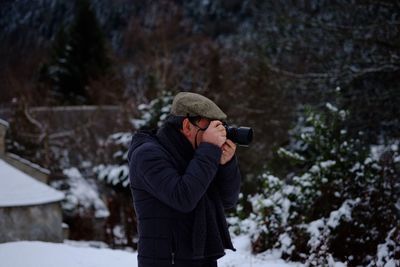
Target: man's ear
{"type": "Point", "coordinates": [186, 127]}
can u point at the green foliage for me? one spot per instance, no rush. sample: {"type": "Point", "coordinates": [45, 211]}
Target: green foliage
{"type": "Point", "coordinates": [116, 172]}
{"type": "Point", "coordinates": [327, 155]}
{"type": "Point", "coordinates": [271, 209]}
{"type": "Point", "coordinates": [154, 113]}
{"type": "Point", "coordinates": [338, 201]}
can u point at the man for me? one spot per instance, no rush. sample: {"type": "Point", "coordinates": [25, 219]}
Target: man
{"type": "Point", "coordinates": [182, 178]}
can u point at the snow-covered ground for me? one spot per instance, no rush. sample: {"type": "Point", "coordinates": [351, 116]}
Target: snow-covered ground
{"type": "Point", "coordinates": [81, 254]}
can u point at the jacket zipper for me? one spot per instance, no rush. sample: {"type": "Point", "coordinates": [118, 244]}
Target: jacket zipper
{"type": "Point", "coordinates": [173, 245]}
{"type": "Point", "coordinates": [173, 257]}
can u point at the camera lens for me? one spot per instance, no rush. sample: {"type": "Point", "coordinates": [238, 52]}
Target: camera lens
{"type": "Point", "coordinates": [241, 135]}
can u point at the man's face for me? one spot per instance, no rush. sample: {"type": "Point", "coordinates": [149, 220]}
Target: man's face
{"type": "Point", "coordinates": [198, 129]}
{"type": "Point", "coordinates": [194, 130]}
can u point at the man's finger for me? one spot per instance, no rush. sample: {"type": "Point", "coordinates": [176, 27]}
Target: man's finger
{"type": "Point", "coordinates": [221, 127]}
{"type": "Point", "coordinates": [228, 146]}
{"type": "Point", "coordinates": [230, 143]}
{"type": "Point", "coordinates": [215, 123]}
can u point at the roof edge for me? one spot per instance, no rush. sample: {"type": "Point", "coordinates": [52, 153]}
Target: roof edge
{"type": "Point", "coordinates": [28, 163]}
{"type": "Point", "coordinates": [4, 123]}
{"type": "Point", "coordinates": [33, 203]}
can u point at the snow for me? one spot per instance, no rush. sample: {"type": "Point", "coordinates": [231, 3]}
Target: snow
{"type": "Point", "coordinates": [3, 122]}
{"type": "Point", "coordinates": [394, 147]}
{"type": "Point", "coordinates": [368, 161]}
{"type": "Point", "coordinates": [81, 194]}
{"type": "Point", "coordinates": [385, 251]}
{"type": "Point", "coordinates": [331, 107]}
{"type": "Point", "coordinates": [344, 212]}
{"type": "Point", "coordinates": [113, 174]}
{"type": "Point", "coordinates": [27, 162]}
{"type": "Point", "coordinates": [356, 167]}
{"type": "Point", "coordinates": [19, 189]}
{"type": "Point", "coordinates": [34, 253]}
{"type": "Point", "coordinates": [290, 154]}
{"type": "Point", "coordinates": [244, 258]}
{"type": "Point", "coordinates": [138, 123]}
{"type": "Point", "coordinates": [315, 228]}
{"type": "Point", "coordinates": [376, 151]}
{"type": "Point", "coordinates": [79, 254]}
{"type": "Point", "coordinates": [121, 138]}
{"type": "Point", "coordinates": [327, 164]}
{"type": "Point", "coordinates": [286, 243]}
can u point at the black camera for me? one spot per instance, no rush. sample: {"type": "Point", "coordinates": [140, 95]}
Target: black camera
{"type": "Point", "coordinates": [239, 135]}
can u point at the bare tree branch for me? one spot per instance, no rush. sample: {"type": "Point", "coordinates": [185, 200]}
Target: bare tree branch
{"type": "Point", "coordinates": [35, 122]}
{"type": "Point", "coordinates": [350, 72]}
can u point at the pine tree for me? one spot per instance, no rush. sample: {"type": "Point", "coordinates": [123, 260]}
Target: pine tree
{"type": "Point", "coordinates": [79, 56]}
{"type": "Point", "coordinates": [340, 200]}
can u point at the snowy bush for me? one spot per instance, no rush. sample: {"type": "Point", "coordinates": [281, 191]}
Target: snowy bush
{"type": "Point", "coordinates": [154, 113]}
{"type": "Point", "coordinates": [270, 211]}
{"type": "Point", "coordinates": [388, 253]}
{"type": "Point", "coordinates": [81, 196]}
{"type": "Point", "coordinates": [84, 210]}
{"type": "Point", "coordinates": [116, 174]}
{"type": "Point", "coordinates": [339, 199]}
{"type": "Point", "coordinates": [152, 116]}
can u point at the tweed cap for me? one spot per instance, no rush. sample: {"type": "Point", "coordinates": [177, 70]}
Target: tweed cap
{"type": "Point", "coordinates": [191, 104]}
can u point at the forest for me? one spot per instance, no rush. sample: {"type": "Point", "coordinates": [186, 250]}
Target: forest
{"type": "Point", "coordinates": [318, 81]}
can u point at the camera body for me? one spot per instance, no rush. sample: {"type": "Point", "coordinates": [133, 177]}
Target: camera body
{"type": "Point", "coordinates": [239, 135]}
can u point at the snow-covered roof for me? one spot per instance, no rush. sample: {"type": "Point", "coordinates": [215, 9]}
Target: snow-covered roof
{"type": "Point", "coordinates": [19, 189]}
{"type": "Point", "coordinates": [3, 122]}
{"type": "Point", "coordinates": [28, 163]}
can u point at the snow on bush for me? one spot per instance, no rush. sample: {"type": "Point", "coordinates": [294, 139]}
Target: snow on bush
{"type": "Point", "coordinates": [388, 253]}
{"type": "Point", "coordinates": [116, 174]}
{"type": "Point", "coordinates": [338, 202]}
{"type": "Point", "coordinates": [152, 116]}
{"type": "Point", "coordinates": [81, 197]}
{"type": "Point", "coordinates": [154, 113]}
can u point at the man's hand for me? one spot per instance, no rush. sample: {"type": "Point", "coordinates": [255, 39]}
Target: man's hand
{"type": "Point", "coordinates": [215, 134]}
{"type": "Point", "coordinates": [228, 151]}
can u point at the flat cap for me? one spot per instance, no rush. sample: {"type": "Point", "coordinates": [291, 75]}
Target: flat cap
{"type": "Point", "coordinates": [191, 104]}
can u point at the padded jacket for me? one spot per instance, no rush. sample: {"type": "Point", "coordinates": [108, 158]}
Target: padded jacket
{"type": "Point", "coordinates": [166, 194]}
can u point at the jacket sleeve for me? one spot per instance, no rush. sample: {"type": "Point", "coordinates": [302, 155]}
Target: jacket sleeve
{"type": "Point", "coordinates": [228, 183]}
{"type": "Point", "coordinates": [161, 179]}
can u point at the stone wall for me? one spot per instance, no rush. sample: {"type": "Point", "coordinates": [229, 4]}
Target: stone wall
{"type": "Point", "coordinates": [39, 222]}
{"type": "Point", "coordinates": [68, 118]}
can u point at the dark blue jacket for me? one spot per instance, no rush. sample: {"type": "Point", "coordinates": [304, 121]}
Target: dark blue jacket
{"type": "Point", "coordinates": [178, 201]}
